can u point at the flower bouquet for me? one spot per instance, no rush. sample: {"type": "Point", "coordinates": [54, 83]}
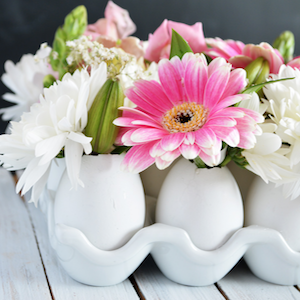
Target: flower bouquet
{"type": "Point", "coordinates": [101, 106]}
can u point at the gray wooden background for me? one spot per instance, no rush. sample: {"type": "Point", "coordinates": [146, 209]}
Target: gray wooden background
{"type": "Point", "coordinates": [25, 24]}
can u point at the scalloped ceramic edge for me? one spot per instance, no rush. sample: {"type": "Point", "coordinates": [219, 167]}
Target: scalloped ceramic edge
{"type": "Point", "coordinates": [266, 253]}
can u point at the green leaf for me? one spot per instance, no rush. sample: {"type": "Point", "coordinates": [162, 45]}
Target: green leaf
{"type": "Point", "coordinates": [179, 45]}
{"type": "Point", "coordinates": [120, 149]}
{"type": "Point", "coordinates": [257, 87]}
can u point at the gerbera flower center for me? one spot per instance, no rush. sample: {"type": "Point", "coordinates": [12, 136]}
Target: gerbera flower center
{"type": "Point", "coordinates": [185, 117]}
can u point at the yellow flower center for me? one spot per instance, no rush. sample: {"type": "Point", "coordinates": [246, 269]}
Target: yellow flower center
{"type": "Point", "coordinates": [185, 117]}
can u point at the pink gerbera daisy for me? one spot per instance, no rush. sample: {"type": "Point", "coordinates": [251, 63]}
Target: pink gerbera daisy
{"type": "Point", "coordinates": [188, 113]}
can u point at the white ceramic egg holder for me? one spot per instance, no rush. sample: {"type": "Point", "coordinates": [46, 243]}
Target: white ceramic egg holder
{"type": "Point", "coordinates": [265, 251]}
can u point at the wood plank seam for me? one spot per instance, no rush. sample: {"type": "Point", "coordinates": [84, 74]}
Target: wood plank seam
{"type": "Point", "coordinates": [221, 291]}
{"type": "Point", "coordinates": [16, 178]}
{"type": "Point", "coordinates": [136, 287]}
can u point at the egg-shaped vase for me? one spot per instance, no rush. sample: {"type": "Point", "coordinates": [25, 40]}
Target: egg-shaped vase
{"type": "Point", "coordinates": [276, 261]}
{"type": "Point", "coordinates": [109, 209]}
{"type": "Point", "coordinates": [206, 203]}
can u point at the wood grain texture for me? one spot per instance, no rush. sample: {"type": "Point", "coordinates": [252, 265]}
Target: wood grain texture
{"type": "Point", "coordinates": [21, 271]}
{"type": "Point", "coordinates": [154, 285]}
{"type": "Point", "coordinates": [241, 284]}
{"type": "Point", "coordinates": [62, 285]}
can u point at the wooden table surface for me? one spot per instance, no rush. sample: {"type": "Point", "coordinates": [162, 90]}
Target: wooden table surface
{"type": "Point", "coordinates": [29, 269]}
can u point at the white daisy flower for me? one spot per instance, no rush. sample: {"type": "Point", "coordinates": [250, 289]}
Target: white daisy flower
{"type": "Point", "coordinates": [25, 80]}
{"type": "Point", "coordinates": [56, 123]}
{"type": "Point", "coordinates": [267, 158]}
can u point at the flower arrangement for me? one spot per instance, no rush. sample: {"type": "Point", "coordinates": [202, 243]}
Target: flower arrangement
{"type": "Point", "coordinates": [99, 90]}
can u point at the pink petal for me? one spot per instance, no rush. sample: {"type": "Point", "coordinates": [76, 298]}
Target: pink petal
{"type": "Point", "coordinates": [240, 61]}
{"type": "Point", "coordinates": [232, 112]}
{"type": "Point", "coordinates": [215, 149]}
{"type": "Point", "coordinates": [245, 124]}
{"type": "Point", "coordinates": [162, 164]}
{"type": "Point", "coordinates": [178, 65]}
{"type": "Point", "coordinates": [119, 17]}
{"type": "Point", "coordinates": [121, 132]}
{"type": "Point", "coordinates": [215, 86]}
{"type": "Point", "coordinates": [140, 100]}
{"type": "Point", "coordinates": [130, 122]}
{"type": "Point", "coordinates": [153, 93]}
{"type": "Point", "coordinates": [171, 81]}
{"type": "Point", "coordinates": [229, 135]}
{"type": "Point", "coordinates": [189, 151]}
{"type": "Point", "coordinates": [215, 64]}
{"type": "Point", "coordinates": [294, 63]}
{"type": "Point", "coordinates": [157, 150]}
{"type": "Point", "coordinates": [228, 101]}
{"type": "Point", "coordinates": [256, 116]}
{"type": "Point", "coordinates": [225, 49]}
{"type": "Point", "coordinates": [172, 141]}
{"type": "Point", "coordinates": [123, 122]}
{"type": "Point", "coordinates": [138, 158]}
{"type": "Point", "coordinates": [266, 51]}
{"type": "Point", "coordinates": [133, 45]}
{"type": "Point", "coordinates": [227, 122]}
{"type": "Point", "coordinates": [145, 123]}
{"type": "Point", "coordinates": [236, 82]}
{"type": "Point", "coordinates": [133, 112]}
{"type": "Point", "coordinates": [126, 138]}
{"type": "Point", "coordinates": [247, 140]}
{"type": "Point", "coordinates": [205, 137]}
{"type": "Point", "coordinates": [144, 135]}
{"type": "Point", "coordinates": [190, 138]}
{"type": "Point", "coordinates": [157, 42]}
{"type": "Point", "coordinates": [170, 155]}
{"type": "Point", "coordinates": [210, 160]}
{"type": "Point", "coordinates": [195, 79]}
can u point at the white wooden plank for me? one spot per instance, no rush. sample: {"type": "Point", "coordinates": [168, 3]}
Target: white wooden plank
{"type": "Point", "coordinates": [241, 284]}
{"type": "Point", "coordinates": [154, 285]}
{"type": "Point", "coordinates": [62, 285]}
{"type": "Point", "coordinates": [21, 271]}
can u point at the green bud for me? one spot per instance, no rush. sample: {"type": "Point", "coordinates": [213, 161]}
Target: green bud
{"type": "Point", "coordinates": [257, 71]}
{"type": "Point", "coordinates": [264, 72]}
{"type": "Point", "coordinates": [75, 22]}
{"type": "Point", "coordinates": [285, 44]}
{"type": "Point", "coordinates": [74, 26]}
{"type": "Point", "coordinates": [48, 80]}
{"type": "Point", "coordinates": [101, 115]}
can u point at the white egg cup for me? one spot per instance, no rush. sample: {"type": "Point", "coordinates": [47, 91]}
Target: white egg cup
{"type": "Point", "coordinates": [265, 250]}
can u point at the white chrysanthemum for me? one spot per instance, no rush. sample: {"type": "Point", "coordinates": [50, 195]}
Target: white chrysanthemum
{"type": "Point", "coordinates": [284, 98]}
{"type": "Point", "coordinates": [267, 159]}
{"type": "Point", "coordinates": [54, 124]}
{"type": "Point", "coordinates": [25, 80]}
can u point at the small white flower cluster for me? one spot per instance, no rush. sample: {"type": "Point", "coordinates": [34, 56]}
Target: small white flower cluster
{"type": "Point", "coordinates": [43, 53]}
{"type": "Point", "coordinates": [86, 52]}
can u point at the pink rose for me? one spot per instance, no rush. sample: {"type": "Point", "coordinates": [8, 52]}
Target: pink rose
{"type": "Point", "coordinates": [251, 52]}
{"type": "Point", "coordinates": [224, 48]}
{"type": "Point", "coordinates": [160, 41]}
{"type": "Point", "coordinates": [114, 29]}
{"type": "Point", "coordinates": [294, 63]}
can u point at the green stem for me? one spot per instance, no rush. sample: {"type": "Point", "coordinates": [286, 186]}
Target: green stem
{"type": "Point", "coordinates": [199, 163]}
{"type": "Point", "coordinates": [225, 161]}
